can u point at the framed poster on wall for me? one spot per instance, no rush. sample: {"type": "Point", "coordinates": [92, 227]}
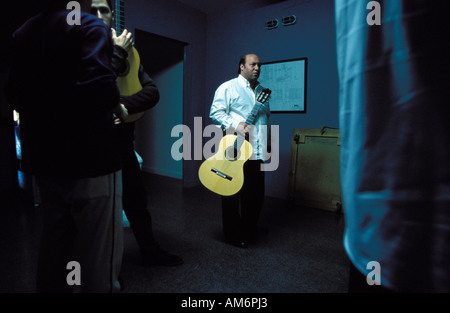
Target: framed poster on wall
{"type": "Point", "coordinates": [287, 80]}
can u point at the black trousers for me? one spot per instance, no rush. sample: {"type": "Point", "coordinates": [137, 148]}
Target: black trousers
{"type": "Point", "coordinates": [82, 222]}
{"type": "Point", "coordinates": [135, 201]}
{"type": "Point", "coordinates": [241, 211]}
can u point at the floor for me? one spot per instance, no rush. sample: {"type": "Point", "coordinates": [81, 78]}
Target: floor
{"type": "Point", "coordinates": [302, 252]}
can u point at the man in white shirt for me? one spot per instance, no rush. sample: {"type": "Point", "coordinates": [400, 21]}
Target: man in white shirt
{"type": "Point", "coordinates": [232, 104]}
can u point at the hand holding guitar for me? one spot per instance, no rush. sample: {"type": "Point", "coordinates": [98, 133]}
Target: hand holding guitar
{"type": "Point", "coordinates": [120, 114]}
{"type": "Point", "coordinates": [244, 130]}
{"type": "Point", "coordinates": [125, 40]}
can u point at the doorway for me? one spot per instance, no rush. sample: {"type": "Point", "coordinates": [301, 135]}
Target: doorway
{"type": "Point", "coordinates": [163, 59]}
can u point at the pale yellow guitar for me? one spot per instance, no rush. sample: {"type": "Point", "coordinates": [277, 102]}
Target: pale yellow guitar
{"type": "Point", "coordinates": [223, 173]}
{"type": "Point", "coordinates": [128, 82]}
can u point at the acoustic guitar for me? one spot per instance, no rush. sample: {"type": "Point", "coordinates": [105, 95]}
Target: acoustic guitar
{"type": "Point", "coordinates": [128, 82]}
{"type": "Point", "coordinates": [223, 173]}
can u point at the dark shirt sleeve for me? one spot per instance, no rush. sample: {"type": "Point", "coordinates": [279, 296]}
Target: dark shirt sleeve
{"type": "Point", "coordinates": [96, 75]}
{"type": "Point", "coordinates": [64, 87]}
{"type": "Point", "coordinates": [147, 97]}
{"type": "Point", "coordinates": [118, 60]}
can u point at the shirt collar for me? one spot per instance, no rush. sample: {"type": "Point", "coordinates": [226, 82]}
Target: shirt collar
{"type": "Point", "coordinates": [242, 80]}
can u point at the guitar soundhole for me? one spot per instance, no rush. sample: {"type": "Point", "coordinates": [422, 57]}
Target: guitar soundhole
{"type": "Point", "coordinates": [125, 70]}
{"type": "Point", "coordinates": [232, 154]}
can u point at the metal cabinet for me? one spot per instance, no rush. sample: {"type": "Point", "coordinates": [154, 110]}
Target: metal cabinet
{"type": "Point", "coordinates": [314, 179]}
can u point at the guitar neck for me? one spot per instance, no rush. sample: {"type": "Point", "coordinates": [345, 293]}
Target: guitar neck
{"type": "Point", "coordinates": [262, 96]}
{"type": "Point", "coordinates": [254, 113]}
{"type": "Point", "coordinates": [252, 116]}
{"type": "Point", "coordinates": [119, 16]}
{"type": "Point", "coordinates": [249, 121]}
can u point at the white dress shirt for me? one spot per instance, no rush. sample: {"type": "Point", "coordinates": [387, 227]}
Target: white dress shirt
{"type": "Point", "coordinates": [232, 104]}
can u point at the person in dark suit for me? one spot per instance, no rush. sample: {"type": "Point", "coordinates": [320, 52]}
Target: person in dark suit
{"type": "Point", "coordinates": [134, 193]}
{"type": "Point", "coordinates": [64, 87]}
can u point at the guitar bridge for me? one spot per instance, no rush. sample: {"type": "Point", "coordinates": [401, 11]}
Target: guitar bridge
{"type": "Point", "coordinates": [221, 174]}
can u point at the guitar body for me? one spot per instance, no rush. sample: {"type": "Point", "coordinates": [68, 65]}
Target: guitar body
{"type": "Point", "coordinates": [223, 173]}
{"type": "Point", "coordinates": [129, 83]}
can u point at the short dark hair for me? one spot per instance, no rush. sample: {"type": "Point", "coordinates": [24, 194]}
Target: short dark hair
{"type": "Point", "coordinates": [242, 62]}
{"type": "Point", "coordinates": [110, 4]}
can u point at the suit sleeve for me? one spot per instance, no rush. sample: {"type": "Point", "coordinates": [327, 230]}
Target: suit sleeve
{"type": "Point", "coordinates": [96, 77]}
{"type": "Point", "coordinates": [147, 97]}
